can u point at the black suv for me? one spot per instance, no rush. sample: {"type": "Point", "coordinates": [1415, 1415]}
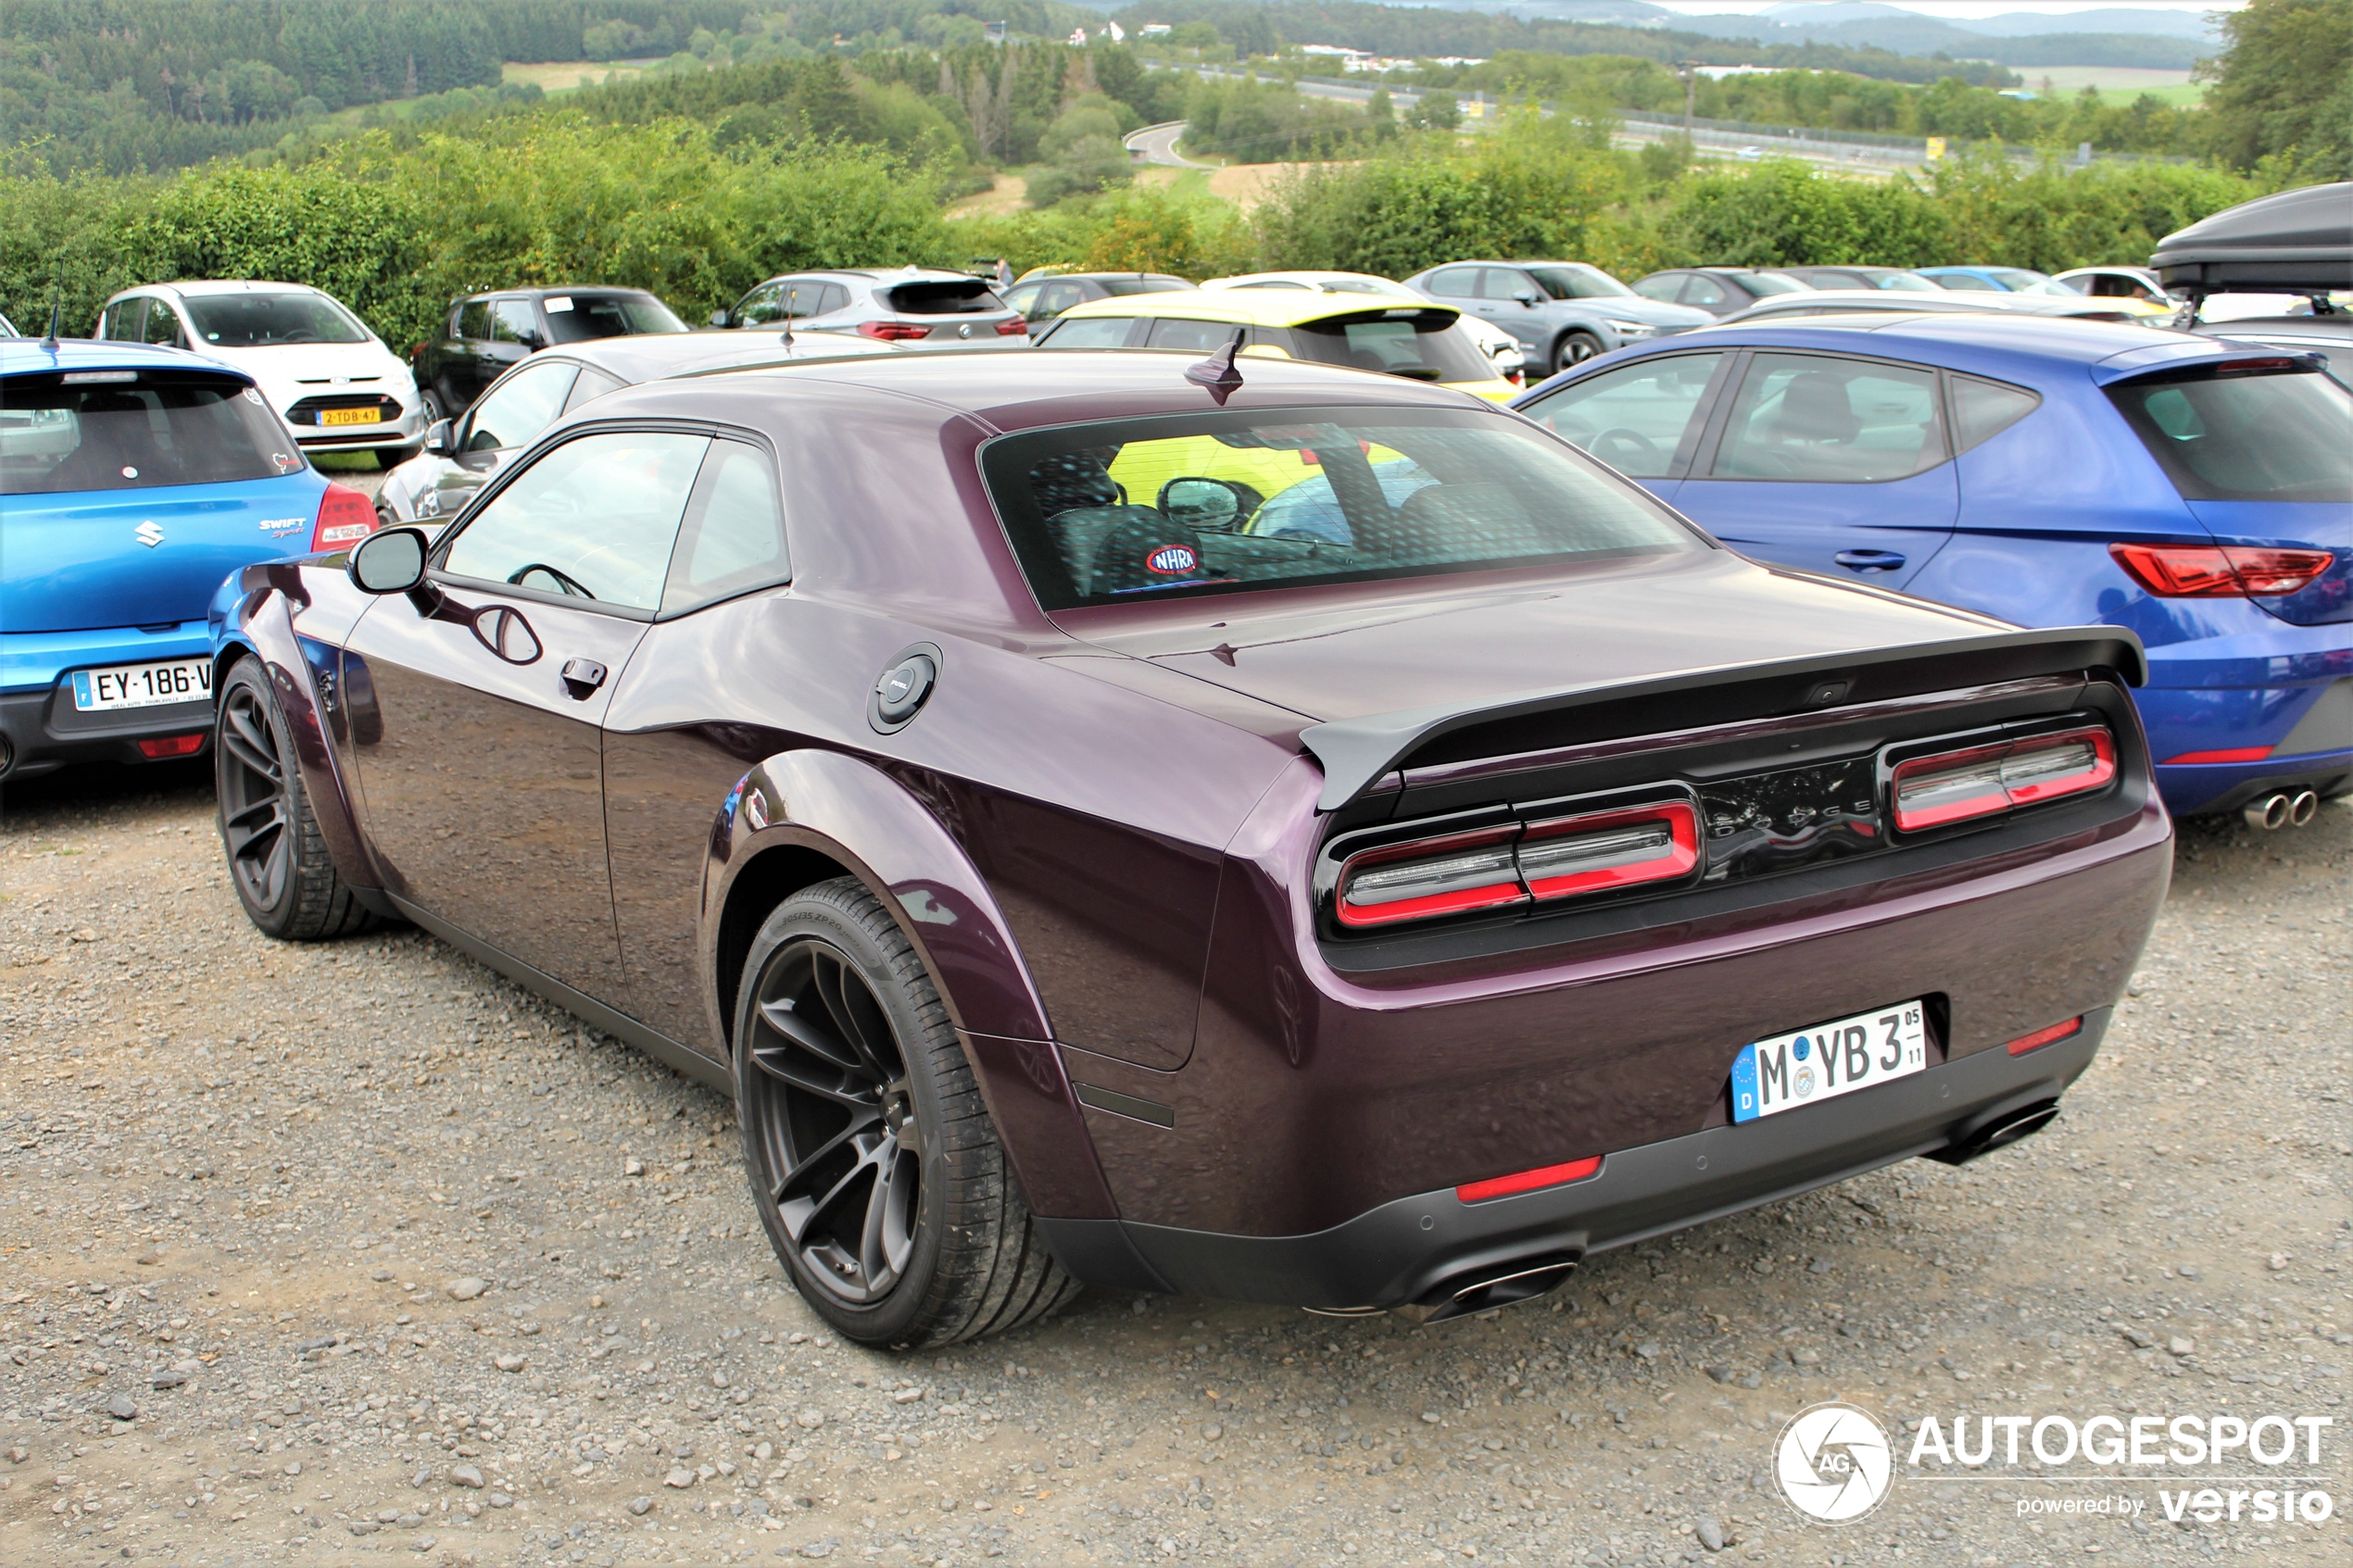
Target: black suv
{"type": "Point", "coordinates": [485, 334]}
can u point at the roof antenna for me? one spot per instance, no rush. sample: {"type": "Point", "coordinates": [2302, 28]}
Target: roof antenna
{"type": "Point", "coordinates": [56, 308]}
{"type": "Point", "coordinates": [1217, 373]}
{"type": "Point", "coordinates": [792, 302]}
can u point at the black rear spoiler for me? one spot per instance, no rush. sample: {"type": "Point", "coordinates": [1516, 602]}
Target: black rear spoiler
{"type": "Point", "coordinates": [1356, 753]}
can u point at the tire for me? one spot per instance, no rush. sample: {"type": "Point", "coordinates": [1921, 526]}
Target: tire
{"type": "Point", "coordinates": [877, 1170]}
{"type": "Point", "coordinates": [1575, 348]}
{"type": "Point", "coordinates": [435, 409]}
{"type": "Point", "coordinates": [278, 861]}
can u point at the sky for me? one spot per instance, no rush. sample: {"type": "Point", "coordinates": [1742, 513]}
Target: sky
{"type": "Point", "coordinates": [1969, 10]}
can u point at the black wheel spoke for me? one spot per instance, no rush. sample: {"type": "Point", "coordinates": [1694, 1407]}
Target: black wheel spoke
{"type": "Point", "coordinates": [786, 1020]}
{"type": "Point", "coordinates": [803, 1170]}
{"type": "Point", "coordinates": [256, 814]}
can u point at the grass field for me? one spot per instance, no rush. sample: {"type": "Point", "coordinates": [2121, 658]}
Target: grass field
{"type": "Point", "coordinates": [2172, 87]}
{"type": "Point", "coordinates": [562, 76]}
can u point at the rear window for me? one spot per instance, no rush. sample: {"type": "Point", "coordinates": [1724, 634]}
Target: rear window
{"type": "Point", "coordinates": [1762, 284]}
{"type": "Point", "coordinates": [1143, 286]}
{"type": "Point", "coordinates": [270, 320]}
{"type": "Point", "coordinates": [1577, 280]}
{"type": "Point", "coordinates": [1228, 502]}
{"type": "Point", "coordinates": [577, 318]}
{"type": "Point", "coordinates": [1402, 341]}
{"type": "Point", "coordinates": [2277, 436]}
{"type": "Point", "coordinates": [942, 296]}
{"type": "Point", "coordinates": [148, 430]}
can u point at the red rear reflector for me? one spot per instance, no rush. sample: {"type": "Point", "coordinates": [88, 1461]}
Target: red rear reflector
{"type": "Point", "coordinates": [2042, 1038]}
{"type": "Point", "coordinates": [345, 518]}
{"type": "Point", "coordinates": [1529, 1181]}
{"type": "Point", "coordinates": [173, 746]}
{"type": "Point", "coordinates": [1606, 850]}
{"type": "Point", "coordinates": [893, 332]}
{"type": "Point", "coordinates": [1436, 876]}
{"type": "Point", "coordinates": [1015, 327]}
{"type": "Point", "coordinates": [1958, 785]}
{"type": "Point", "coordinates": [2240, 754]}
{"type": "Point", "coordinates": [2208, 572]}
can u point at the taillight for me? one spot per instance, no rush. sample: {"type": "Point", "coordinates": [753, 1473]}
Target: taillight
{"type": "Point", "coordinates": [1607, 850]}
{"type": "Point", "coordinates": [2228, 754]}
{"type": "Point", "coordinates": [2042, 1038]}
{"type": "Point", "coordinates": [1529, 1181]}
{"type": "Point", "coordinates": [2213, 571]}
{"type": "Point", "coordinates": [893, 332]}
{"type": "Point", "coordinates": [345, 518]}
{"type": "Point", "coordinates": [1437, 876]}
{"type": "Point", "coordinates": [1954, 786]}
{"type": "Point", "coordinates": [1015, 327]}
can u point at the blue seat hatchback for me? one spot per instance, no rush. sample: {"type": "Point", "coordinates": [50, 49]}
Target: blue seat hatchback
{"type": "Point", "coordinates": [132, 481]}
{"type": "Point", "coordinates": [2050, 472]}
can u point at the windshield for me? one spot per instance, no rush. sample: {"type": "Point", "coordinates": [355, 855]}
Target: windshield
{"type": "Point", "coordinates": [267, 321]}
{"type": "Point", "coordinates": [1907, 282]}
{"type": "Point", "coordinates": [1574, 279]}
{"type": "Point", "coordinates": [577, 318]}
{"type": "Point", "coordinates": [1143, 285]}
{"type": "Point", "coordinates": [135, 431]}
{"type": "Point", "coordinates": [2275, 437]}
{"type": "Point", "coordinates": [1773, 282]}
{"type": "Point", "coordinates": [1414, 344]}
{"type": "Point", "coordinates": [1231, 502]}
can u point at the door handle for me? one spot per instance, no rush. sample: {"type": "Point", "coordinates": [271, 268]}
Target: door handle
{"type": "Point", "coordinates": [582, 676]}
{"type": "Point", "coordinates": [1868, 561]}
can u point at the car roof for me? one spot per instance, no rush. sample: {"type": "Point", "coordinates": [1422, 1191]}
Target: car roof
{"type": "Point", "coordinates": [2011, 346]}
{"type": "Point", "coordinates": [1257, 308]}
{"type": "Point", "coordinates": [538, 292]}
{"type": "Point", "coordinates": [642, 356]}
{"type": "Point", "coordinates": [21, 355]}
{"type": "Point", "coordinates": [877, 274]}
{"type": "Point", "coordinates": [196, 288]}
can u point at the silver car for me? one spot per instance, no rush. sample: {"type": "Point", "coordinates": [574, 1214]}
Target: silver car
{"type": "Point", "coordinates": [1563, 312]}
{"type": "Point", "coordinates": [909, 305]}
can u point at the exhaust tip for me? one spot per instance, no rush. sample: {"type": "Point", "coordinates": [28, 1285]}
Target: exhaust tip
{"type": "Point", "coordinates": [1481, 1291]}
{"type": "Point", "coordinates": [2000, 1133]}
{"type": "Point", "coordinates": [2271, 814]}
{"type": "Point", "coordinates": [2304, 807]}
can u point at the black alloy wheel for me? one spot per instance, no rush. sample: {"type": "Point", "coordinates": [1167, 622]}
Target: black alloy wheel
{"type": "Point", "coordinates": [278, 862]}
{"type": "Point", "coordinates": [1575, 349]}
{"type": "Point", "coordinates": [877, 1174]}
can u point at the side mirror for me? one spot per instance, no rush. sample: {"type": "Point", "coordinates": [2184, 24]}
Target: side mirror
{"type": "Point", "coordinates": [719, 319]}
{"type": "Point", "coordinates": [1208, 505]}
{"type": "Point", "coordinates": [1530, 298]}
{"type": "Point", "coordinates": [440, 440]}
{"type": "Point", "coordinates": [392, 561]}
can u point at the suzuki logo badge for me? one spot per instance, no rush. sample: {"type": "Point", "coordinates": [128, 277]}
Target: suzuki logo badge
{"type": "Point", "coordinates": [147, 534]}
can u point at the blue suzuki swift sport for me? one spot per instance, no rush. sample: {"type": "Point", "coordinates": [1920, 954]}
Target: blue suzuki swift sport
{"type": "Point", "coordinates": [132, 481]}
{"type": "Point", "coordinates": [2049, 472]}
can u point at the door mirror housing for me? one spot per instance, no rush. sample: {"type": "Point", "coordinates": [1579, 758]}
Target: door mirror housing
{"type": "Point", "coordinates": [391, 561]}
{"type": "Point", "coordinates": [1529, 297]}
{"type": "Point", "coordinates": [439, 439]}
{"type": "Point", "coordinates": [721, 319]}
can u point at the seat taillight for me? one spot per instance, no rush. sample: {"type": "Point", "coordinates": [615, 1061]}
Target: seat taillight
{"type": "Point", "coordinates": [1437, 876]}
{"type": "Point", "coordinates": [1494, 868]}
{"type": "Point", "coordinates": [1606, 850]}
{"type": "Point", "coordinates": [2214, 571]}
{"type": "Point", "coordinates": [893, 332]}
{"type": "Point", "coordinates": [1954, 786]}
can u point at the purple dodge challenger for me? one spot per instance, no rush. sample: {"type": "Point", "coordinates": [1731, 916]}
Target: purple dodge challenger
{"type": "Point", "coordinates": [1322, 840]}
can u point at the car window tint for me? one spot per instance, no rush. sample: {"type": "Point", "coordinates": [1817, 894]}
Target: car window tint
{"type": "Point", "coordinates": [1025, 299]}
{"type": "Point", "coordinates": [1704, 290]}
{"type": "Point", "coordinates": [121, 320]}
{"type": "Point", "coordinates": [511, 321]}
{"type": "Point", "coordinates": [1806, 418]}
{"type": "Point", "coordinates": [1202, 336]}
{"type": "Point", "coordinates": [1637, 419]}
{"type": "Point", "coordinates": [581, 317]}
{"type": "Point", "coordinates": [1419, 345]}
{"type": "Point", "coordinates": [163, 428]}
{"type": "Point", "coordinates": [593, 520]}
{"type": "Point", "coordinates": [1764, 283]}
{"type": "Point", "coordinates": [734, 540]}
{"type": "Point", "coordinates": [592, 383]}
{"type": "Point", "coordinates": [1983, 410]}
{"type": "Point", "coordinates": [1091, 332]}
{"type": "Point", "coordinates": [1055, 298]}
{"type": "Point", "coordinates": [1505, 283]}
{"type": "Point", "coordinates": [163, 327]}
{"type": "Point", "coordinates": [267, 320]}
{"type": "Point", "coordinates": [765, 303]}
{"type": "Point", "coordinates": [2247, 438]}
{"type": "Point", "coordinates": [1667, 286]}
{"type": "Point", "coordinates": [1455, 283]}
{"type": "Point", "coordinates": [520, 407]}
{"type": "Point", "coordinates": [473, 320]}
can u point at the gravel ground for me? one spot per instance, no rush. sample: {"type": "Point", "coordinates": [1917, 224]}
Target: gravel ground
{"type": "Point", "coordinates": [313, 1252]}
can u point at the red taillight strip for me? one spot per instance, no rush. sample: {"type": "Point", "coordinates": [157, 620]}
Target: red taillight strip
{"type": "Point", "coordinates": [1530, 1181]}
{"type": "Point", "coordinates": [1447, 858]}
{"type": "Point", "coordinates": [2042, 1038]}
{"type": "Point", "coordinates": [1980, 781]}
{"type": "Point", "coordinates": [2212, 572]}
{"type": "Point", "coordinates": [1622, 848]}
{"type": "Point", "coordinates": [2233, 754]}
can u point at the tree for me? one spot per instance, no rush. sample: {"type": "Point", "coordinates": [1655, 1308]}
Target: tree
{"type": "Point", "coordinates": [2284, 87]}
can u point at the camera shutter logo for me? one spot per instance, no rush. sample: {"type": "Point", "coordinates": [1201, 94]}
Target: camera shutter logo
{"type": "Point", "coordinates": [1833, 1462]}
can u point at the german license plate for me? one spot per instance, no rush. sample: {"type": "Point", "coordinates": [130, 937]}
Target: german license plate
{"type": "Point", "coordinates": [1828, 1060]}
{"type": "Point", "coordinates": [350, 417]}
{"type": "Point", "coordinates": [143, 685]}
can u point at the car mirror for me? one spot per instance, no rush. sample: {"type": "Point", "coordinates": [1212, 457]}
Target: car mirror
{"type": "Point", "coordinates": [719, 319]}
{"type": "Point", "coordinates": [439, 440]}
{"type": "Point", "coordinates": [1208, 505]}
{"type": "Point", "coordinates": [532, 340]}
{"type": "Point", "coordinates": [1530, 298]}
{"type": "Point", "coordinates": [390, 562]}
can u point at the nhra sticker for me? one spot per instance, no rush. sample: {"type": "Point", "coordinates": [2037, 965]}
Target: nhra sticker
{"type": "Point", "coordinates": [1172, 560]}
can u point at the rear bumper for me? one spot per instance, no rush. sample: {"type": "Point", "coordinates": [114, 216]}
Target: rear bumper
{"type": "Point", "coordinates": [1415, 1247]}
{"type": "Point", "coordinates": [2287, 690]}
{"type": "Point", "coordinates": [39, 727]}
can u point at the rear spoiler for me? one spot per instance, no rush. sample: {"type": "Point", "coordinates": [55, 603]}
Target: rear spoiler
{"type": "Point", "coordinates": [1356, 753]}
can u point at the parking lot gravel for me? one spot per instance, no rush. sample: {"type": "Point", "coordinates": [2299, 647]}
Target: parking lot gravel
{"type": "Point", "coordinates": [309, 1253]}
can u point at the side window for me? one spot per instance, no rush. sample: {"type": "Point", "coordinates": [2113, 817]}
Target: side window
{"type": "Point", "coordinates": [1455, 283]}
{"type": "Point", "coordinates": [518, 408]}
{"type": "Point", "coordinates": [1055, 298]}
{"type": "Point", "coordinates": [1204, 336]}
{"type": "Point", "coordinates": [473, 320]}
{"type": "Point", "coordinates": [836, 297]}
{"type": "Point", "coordinates": [163, 325]}
{"type": "Point", "coordinates": [1831, 420]}
{"type": "Point", "coordinates": [1090, 331]}
{"type": "Point", "coordinates": [592, 383]}
{"type": "Point", "coordinates": [734, 540]}
{"type": "Point", "coordinates": [511, 321]}
{"type": "Point", "coordinates": [1637, 419]}
{"type": "Point", "coordinates": [123, 320]}
{"type": "Point", "coordinates": [1703, 291]}
{"type": "Point", "coordinates": [765, 303]}
{"type": "Point", "coordinates": [1506, 283]}
{"type": "Point", "coordinates": [1025, 299]}
{"type": "Point", "coordinates": [594, 519]}
{"type": "Point", "coordinates": [1667, 286]}
{"type": "Point", "coordinates": [1983, 410]}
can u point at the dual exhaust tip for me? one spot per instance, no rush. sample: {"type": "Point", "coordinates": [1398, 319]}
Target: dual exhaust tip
{"type": "Point", "coordinates": [2279, 809]}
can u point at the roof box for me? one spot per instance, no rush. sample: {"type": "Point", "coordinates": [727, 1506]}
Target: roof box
{"type": "Point", "coordinates": [2298, 242]}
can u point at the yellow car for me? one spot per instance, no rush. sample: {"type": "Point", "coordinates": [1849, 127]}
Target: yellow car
{"type": "Point", "coordinates": [1399, 338]}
